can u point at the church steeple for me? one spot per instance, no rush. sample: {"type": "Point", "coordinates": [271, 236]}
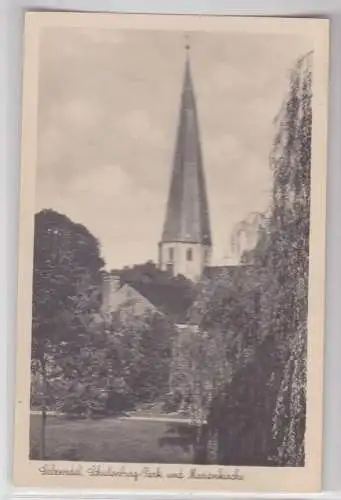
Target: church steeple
{"type": "Point", "coordinates": [186, 239]}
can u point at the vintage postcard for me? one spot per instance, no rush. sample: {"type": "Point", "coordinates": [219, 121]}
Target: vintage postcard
{"type": "Point", "coordinates": [171, 260]}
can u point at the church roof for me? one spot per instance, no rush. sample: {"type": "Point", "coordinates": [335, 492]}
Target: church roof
{"type": "Point", "coordinates": [187, 216]}
{"type": "Point", "coordinates": [170, 296]}
{"type": "Point", "coordinates": [167, 298]}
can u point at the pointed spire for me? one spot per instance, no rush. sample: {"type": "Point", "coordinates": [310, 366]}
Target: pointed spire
{"type": "Point", "coordinates": [187, 217]}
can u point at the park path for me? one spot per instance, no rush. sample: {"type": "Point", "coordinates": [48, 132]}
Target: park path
{"type": "Point", "coordinates": [157, 419]}
{"type": "Point", "coordinates": [144, 418]}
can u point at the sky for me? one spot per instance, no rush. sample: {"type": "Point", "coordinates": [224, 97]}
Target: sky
{"type": "Point", "coordinates": [107, 118]}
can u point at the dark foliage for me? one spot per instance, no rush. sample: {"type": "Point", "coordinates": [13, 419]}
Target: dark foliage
{"type": "Point", "coordinates": [66, 278]}
{"type": "Point", "coordinates": [253, 322]}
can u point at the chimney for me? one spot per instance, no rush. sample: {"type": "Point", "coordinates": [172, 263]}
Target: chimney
{"type": "Point", "coordinates": [111, 284]}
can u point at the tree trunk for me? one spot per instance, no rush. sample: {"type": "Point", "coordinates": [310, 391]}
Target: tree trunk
{"type": "Point", "coordinates": [200, 451]}
{"type": "Point", "coordinates": [44, 411]}
{"type": "Point", "coordinates": [43, 434]}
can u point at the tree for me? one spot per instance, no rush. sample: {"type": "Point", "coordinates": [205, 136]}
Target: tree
{"type": "Point", "coordinates": [291, 160]}
{"type": "Point", "coordinates": [66, 292]}
{"type": "Point", "coordinates": [282, 251]}
{"type": "Point", "coordinates": [125, 362]}
{"type": "Point", "coordinates": [254, 401]}
{"type": "Point", "coordinates": [155, 345]}
{"type": "Point", "coordinates": [224, 330]}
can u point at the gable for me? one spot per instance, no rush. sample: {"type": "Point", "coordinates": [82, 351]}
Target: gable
{"type": "Point", "coordinates": [169, 299]}
{"type": "Point", "coordinates": [129, 299]}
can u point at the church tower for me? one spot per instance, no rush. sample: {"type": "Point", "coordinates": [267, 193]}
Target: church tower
{"type": "Point", "coordinates": [185, 246]}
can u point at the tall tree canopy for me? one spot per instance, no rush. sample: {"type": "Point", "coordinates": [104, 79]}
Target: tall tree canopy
{"type": "Point", "coordinates": [66, 276]}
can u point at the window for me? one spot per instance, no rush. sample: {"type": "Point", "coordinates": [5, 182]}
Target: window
{"type": "Point", "coordinates": [189, 254]}
{"type": "Point", "coordinates": [171, 254]}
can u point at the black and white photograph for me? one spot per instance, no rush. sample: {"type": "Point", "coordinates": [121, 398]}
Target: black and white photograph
{"type": "Point", "coordinates": [171, 275]}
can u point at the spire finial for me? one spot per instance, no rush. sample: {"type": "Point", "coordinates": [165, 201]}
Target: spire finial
{"type": "Point", "coordinates": [187, 45]}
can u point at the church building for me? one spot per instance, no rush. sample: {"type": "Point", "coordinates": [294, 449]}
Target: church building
{"type": "Point", "coordinates": [186, 242]}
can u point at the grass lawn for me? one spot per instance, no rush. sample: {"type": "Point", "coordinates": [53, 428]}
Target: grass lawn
{"type": "Point", "coordinates": [113, 440]}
